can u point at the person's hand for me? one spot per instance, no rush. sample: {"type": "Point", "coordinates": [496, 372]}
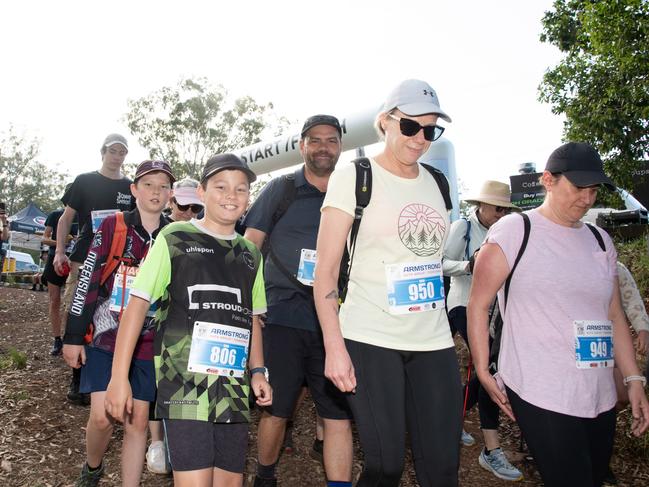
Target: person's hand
{"type": "Point", "coordinates": [262, 319]}
{"type": "Point", "coordinates": [119, 399]}
{"type": "Point", "coordinates": [339, 368]}
{"type": "Point", "coordinates": [639, 408]}
{"type": "Point", "coordinates": [60, 262]}
{"type": "Point", "coordinates": [642, 342]}
{"type": "Point", "coordinates": [74, 355]}
{"type": "Point", "coordinates": [262, 390]}
{"type": "Point", "coordinates": [472, 261]}
{"type": "Point", "coordinates": [496, 392]}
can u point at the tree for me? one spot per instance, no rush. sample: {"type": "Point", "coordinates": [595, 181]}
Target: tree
{"type": "Point", "coordinates": [188, 123]}
{"type": "Point", "coordinates": [602, 84]}
{"type": "Point", "coordinates": [24, 178]}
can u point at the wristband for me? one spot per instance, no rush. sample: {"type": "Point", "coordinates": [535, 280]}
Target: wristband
{"type": "Point", "coordinates": [263, 370]}
{"type": "Point", "coordinates": [631, 378]}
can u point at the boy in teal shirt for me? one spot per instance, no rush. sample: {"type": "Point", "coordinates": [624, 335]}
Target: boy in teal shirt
{"type": "Point", "coordinates": [208, 350]}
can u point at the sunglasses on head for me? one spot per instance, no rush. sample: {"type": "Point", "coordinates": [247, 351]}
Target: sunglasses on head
{"type": "Point", "coordinates": [194, 207]}
{"type": "Point", "coordinates": [410, 128]}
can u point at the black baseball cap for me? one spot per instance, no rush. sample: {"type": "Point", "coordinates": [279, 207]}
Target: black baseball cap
{"type": "Point", "coordinates": [580, 163]}
{"type": "Point", "coordinates": [226, 161]}
{"type": "Point", "coordinates": [321, 120]}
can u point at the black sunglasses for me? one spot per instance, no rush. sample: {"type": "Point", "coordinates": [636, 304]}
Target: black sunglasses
{"type": "Point", "coordinates": [195, 208]}
{"type": "Point", "coordinates": [503, 209]}
{"type": "Point", "coordinates": [410, 128]}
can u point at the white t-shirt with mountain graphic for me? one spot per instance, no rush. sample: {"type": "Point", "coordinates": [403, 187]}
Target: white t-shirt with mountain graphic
{"type": "Point", "coordinates": [405, 224]}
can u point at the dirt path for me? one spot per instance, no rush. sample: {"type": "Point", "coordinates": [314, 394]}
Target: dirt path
{"type": "Point", "coordinates": [42, 435]}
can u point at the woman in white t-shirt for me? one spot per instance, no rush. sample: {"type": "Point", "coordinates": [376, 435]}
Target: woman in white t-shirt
{"type": "Point", "coordinates": [562, 316]}
{"type": "Point", "coordinates": [389, 345]}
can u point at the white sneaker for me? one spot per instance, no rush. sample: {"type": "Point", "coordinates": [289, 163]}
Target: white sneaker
{"type": "Point", "coordinates": [467, 439]}
{"type": "Point", "coordinates": [496, 462]}
{"type": "Point", "coordinates": [156, 458]}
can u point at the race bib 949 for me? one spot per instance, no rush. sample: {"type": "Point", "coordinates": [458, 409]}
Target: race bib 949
{"type": "Point", "coordinates": [593, 343]}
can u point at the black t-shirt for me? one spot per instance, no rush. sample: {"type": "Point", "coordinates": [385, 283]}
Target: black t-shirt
{"type": "Point", "coordinates": [53, 222]}
{"type": "Point", "coordinates": [92, 192]}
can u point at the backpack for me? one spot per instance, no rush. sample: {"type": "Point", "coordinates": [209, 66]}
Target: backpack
{"type": "Point", "coordinates": [496, 320]}
{"type": "Point", "coordinates": [117, 245]}
{"type": "Point", "coordinates": [363, 195]}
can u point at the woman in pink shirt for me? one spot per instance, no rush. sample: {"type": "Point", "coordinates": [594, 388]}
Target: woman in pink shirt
{"type": "Point", "coordinates": [562, 316]}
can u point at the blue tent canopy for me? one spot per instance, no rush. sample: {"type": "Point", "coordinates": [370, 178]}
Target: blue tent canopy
{"type": "Point", "coordinates": [28, 220]}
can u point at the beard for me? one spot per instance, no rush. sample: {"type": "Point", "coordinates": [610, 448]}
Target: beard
{"type": "Point", "coordinates": [321, 163]}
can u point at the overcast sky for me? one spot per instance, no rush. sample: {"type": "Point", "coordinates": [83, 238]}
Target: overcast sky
{"type": "Point", "coordinates": [70, 67]}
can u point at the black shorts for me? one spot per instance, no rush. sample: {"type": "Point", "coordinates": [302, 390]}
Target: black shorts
{"type": "Point", "coordinates": [295, 356]}
{"type": "Point", "coordinates": [50, 275]}
{"type": "Point", "coordinates": [195, 445]}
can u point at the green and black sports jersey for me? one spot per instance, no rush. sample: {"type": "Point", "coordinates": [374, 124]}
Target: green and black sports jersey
{"type": "Point", "coordinates": [199, 277]}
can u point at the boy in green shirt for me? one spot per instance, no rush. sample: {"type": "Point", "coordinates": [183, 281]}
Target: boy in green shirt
{"type": "Point", "coordinates": [208, 350]}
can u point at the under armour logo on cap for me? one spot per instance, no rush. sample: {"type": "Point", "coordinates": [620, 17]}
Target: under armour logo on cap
{"type": "Point", "coordinates": [414, 97]}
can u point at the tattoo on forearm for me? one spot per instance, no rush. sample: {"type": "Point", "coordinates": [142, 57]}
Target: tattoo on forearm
{"type": "Point", "coordinates": [332, 295]}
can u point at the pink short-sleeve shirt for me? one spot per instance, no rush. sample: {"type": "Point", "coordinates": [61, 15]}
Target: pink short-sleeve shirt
{"type": "Point", "coordinates": [562, 277]}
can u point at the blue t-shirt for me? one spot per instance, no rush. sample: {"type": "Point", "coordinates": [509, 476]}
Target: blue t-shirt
{"type": "Point", "coordinates": [288, 305]}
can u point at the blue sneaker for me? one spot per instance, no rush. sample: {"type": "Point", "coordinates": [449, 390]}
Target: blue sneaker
{"type": "Point", "coordinates": [467, 439]}
{"type": "Point", "coordinates": [496, 462]}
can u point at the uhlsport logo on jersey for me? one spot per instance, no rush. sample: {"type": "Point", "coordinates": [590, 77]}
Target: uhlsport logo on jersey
{"type": "Point", "coordinates": [421, 229]}
{"type": "Point", "coordinates": [201, 296]}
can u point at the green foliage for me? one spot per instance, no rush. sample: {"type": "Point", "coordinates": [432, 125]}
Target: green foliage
{"type": "Point", "coordinates": [13, 358]}
{"type": "Point", "coordinates": [187, 123]}
{"type": "Point", "coordinates": [634, 254]}
{"type": "Point", "coordinates": [602, 84]}
{"type": "Point", "coordinates": [24, 178]}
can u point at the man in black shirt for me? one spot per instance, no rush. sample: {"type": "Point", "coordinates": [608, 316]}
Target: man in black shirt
{"type": "Point", "coordinates": [294, 352]}
{"type": "Point", "coordinates": [54, 280]}
{"type": "Point", "coordinates": [92, 197]}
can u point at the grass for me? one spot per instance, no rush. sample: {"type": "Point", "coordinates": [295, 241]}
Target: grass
{"type": "Point", "coordinates": [13, 359]}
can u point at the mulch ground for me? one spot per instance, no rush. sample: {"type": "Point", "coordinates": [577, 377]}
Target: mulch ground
{"type": "Point", "coordinates": [42, 435]}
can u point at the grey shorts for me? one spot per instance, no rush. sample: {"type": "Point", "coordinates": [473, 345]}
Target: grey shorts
{"type": "Point", "coordinates": [196, 445]}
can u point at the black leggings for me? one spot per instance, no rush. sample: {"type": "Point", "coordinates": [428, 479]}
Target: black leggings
{"type": "Point", "coordinates": [473, 391]}
{"type": "Point", "coordinates": [417, 390]}
{"type": "Point", "coordinates": [569, 451]}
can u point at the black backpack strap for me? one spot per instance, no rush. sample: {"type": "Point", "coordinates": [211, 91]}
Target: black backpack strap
{"type": "Point", "coordinates": [303, 288]}
{"type": "Point", "coordinates": [467, 238]}
{"type": "Point", "coordinates": [289, 192]}
{"type": "Point", "coordinates": [496, 318]}
{"type": "Point", "coordinates": [526, 237]}
{"type": "Point", "coordinates": [442, 183]}
{"type": "Point", "coordinates": [363, 192]}
{"type": "Point", "coordinates": [598, 236]}
{"type": "Point", "coordinates": [363, 195]}
{"type": "Point", "coordinates": [289, 195]}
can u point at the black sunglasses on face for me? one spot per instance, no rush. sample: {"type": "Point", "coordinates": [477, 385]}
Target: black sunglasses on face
{"type": "Point", "coordinates": [195, 208]}
{"type": "Point", "coordinates": [410, 128]}
{"type": "Point", "coordinates": [502, 209]}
